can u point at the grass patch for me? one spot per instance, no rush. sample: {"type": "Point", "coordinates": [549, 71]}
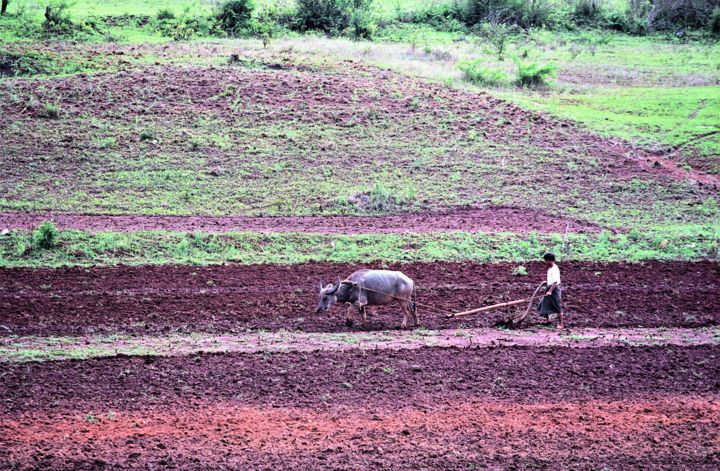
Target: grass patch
{"type": "Point", "coordinates": [684, 118]}
{"type": "Point", "coordinates": [79, 248]}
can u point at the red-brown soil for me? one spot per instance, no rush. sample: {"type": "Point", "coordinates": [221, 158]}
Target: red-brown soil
{"type": "Point", "coordinates": [233, 298]}
{"type": "Point", "coordinates": [475, 220]}
{"type": "Point", "coordinates": [429, 408]}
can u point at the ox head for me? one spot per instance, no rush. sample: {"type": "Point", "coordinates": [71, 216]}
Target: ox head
{"type": "Point", "coordinates": [328, 296]}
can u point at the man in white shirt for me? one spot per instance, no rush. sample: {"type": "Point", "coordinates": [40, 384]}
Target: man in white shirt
{"type": "Point", "coordinates": [551, 302]}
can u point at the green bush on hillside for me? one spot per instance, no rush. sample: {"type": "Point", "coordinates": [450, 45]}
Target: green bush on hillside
{"type": "Point", "coordinates": [534, 75]}
{"type": "Point", "coordinates": [714, 22]}
{"type": "Point", "coordinates": [57, 20]}
{"type": "Point", "coordinates": [336, 17]}
{"type": "Point", "coordinates": [45, 236]}
{"type": "Point", "coordinates": [234, 16]}
{"type": "Point", "coordinates": [476, 72]}
{"type": "Point", "coordinates": [183, 27]}
{"type": "Point", "coordinates": [27, 63]}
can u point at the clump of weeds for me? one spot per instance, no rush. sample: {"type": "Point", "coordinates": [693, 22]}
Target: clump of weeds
{"type": "Point", "coordinates": [51, 111]}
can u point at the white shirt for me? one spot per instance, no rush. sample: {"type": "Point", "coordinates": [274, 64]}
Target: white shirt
{"type": "Point", "coordinates": [553, 275]}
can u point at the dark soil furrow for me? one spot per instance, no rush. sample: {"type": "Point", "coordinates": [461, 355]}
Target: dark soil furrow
{"type": "Point", "coordinates": [354, 378]}
{"type": "Point", "coordinates": [477, 220]}
{"type": "Point", "coordinates": [233, 298]}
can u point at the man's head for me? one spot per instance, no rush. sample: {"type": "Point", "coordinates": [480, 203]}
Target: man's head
{"type": "Point", "coordinates": [549, 258]}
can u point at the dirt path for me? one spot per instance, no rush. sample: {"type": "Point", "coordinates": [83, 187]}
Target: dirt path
{"type": "Point", "coordinates": [24, 349]}
{"type": "Point", "coordinates": [651, 407]}
{"type": "Point", "coordinates": [478, 220]}
{"type": "Point", "coordinates": [234, 298]}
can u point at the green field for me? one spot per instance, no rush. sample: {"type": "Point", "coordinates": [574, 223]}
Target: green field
{"type": "Point", "coordinates": [311, 125]}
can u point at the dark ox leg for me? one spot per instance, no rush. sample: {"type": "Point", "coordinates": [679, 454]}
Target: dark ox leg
{"type": "Point", "coordinates": [406, 311]}
{"type": "Point", "coordinates": [361, 305]}
{"type": "Point", "coordinates": [349, 316]}
{"type": "Point", "coordinates": [361, 309]}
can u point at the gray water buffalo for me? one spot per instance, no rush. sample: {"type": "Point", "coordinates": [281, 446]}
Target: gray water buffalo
{"type": "Point", "coordinates": [371, 288]}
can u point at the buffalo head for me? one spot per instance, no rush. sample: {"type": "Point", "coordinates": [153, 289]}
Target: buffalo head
{"type": "Point", "coordinates": [328, 296]}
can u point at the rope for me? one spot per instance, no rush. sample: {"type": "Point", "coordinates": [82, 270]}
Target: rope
{"type": "Point", "coordinates": [425, 306]}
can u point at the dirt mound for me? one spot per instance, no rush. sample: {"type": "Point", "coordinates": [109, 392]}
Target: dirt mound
{"type": "Point", "coordinates": [234, 298]}
{"type": "Point", "coordinates": [477, 220]}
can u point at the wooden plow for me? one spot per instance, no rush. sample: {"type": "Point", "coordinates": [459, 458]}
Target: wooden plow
{"type": "Point", "coordinates": [517, 319]}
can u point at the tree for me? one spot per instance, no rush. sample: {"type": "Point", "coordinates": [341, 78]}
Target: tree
{"type": "Point", "coordinates": [3, 8]}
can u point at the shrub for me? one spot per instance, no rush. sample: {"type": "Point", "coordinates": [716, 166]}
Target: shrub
{"type": "Point", "coordinates": [476, 72]}
{"type": "Point", "coordinates": [534, 75]}
{"type": "Point", "coordinates": [45, 236]}
{"type": "Point", "coordinates": [57, 19]}
{"type": "Point", "coordinates": [233, 16]}
{"type": "Point", "coordinates": [714, 22]}
{"type": "Point", "coordinates": [183, 27]}
{"type": "Point", "coordinates": [672, 14]}
{"type": "Point", "coordinates": [335, 17]}
{"type": "Point", "coordinates": [51, 111]}
{"type": "Point", "coordinates": [520, 12]}
{"type": "Point", "coordinates": [441, 16]}
{"type": "Point", "coordinates": [380, 198]}
{"type": "Point", "coordinates": [26, 63]}
{"type": "Point", "coordinates": [587, 12]}
{"type": "Point", "coordinates": [498, 35]}
{"type": "Point", "coordinates": [520, 270]}
{"type": "Point", "coordinates": [165, 14]}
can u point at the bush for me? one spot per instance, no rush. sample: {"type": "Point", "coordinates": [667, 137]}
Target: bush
{"type": "Point", "coordinates": [477, 73]}
{"type": "Point", "coordinates": [165, 14]}
{"type": "Point", "coordinates": [51, 111]}
{"type": "Point", "coordinates": [674, 14]}
{"type": "Point", "coordinates": [334, 17]}
{"type": "Point", "coordinates": [45, 236]}
{"type": "Point", "coordinates": [520, 270]}
{"type": "Point", "coordinates": [27, 63]}
{"type": "Point", "coordinates": [182, 28]}
{"type": "Point", "coordinates": [587, 13]}
{"type": "Point", "coordinates": [497, 35]}
{"type": "Point", "coordinates": [441, 16]}
{"type": "Point", "coordinates": [534, 75]}
{"type": "Point", "coordinates": [519, 12]}
{"type": "Point", "coordinates": [57, 19]}
{"type": "Point", "coordinates": [714, 22]}
{"type": "Point", "coordinates": [234, 16]}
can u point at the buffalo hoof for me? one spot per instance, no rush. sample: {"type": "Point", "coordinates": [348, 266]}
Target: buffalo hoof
{"type": "Point", "coordinates": [349, 322]}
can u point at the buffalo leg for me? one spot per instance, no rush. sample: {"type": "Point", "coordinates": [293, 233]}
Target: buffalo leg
{"type": "Point", "coordinates": [349, 316]}
{"type": "Point", "coordinates": [360, 308]}
{"type": "Point", "coordinates": [405, 308]}
{"type": "Point", "coordinates": [361, 305]}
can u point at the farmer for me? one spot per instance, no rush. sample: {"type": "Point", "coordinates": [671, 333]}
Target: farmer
{"type": "Point", "coordinates": [550, 303]}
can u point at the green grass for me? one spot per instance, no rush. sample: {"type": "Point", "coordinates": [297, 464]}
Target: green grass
{"type": "Point", "coordinates": [78, 248]}
{"type": "Point", "coordinates": [90, 8]}
{"type": "Point", "coordinates": [680, 117]}
{"type": "Point", "coordinates": [655, 91]}
{"type": "Point", "coordinates": [218, 158]}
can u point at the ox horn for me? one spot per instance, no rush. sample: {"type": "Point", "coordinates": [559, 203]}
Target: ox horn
{"type": "Point", "coordinates": [336, 286]}
{"type": "Point", "coordinates": [321, 284]}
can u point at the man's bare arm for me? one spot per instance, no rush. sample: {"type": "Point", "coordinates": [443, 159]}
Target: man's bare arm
{"type": "Point", "coordinates": [551, 289]}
